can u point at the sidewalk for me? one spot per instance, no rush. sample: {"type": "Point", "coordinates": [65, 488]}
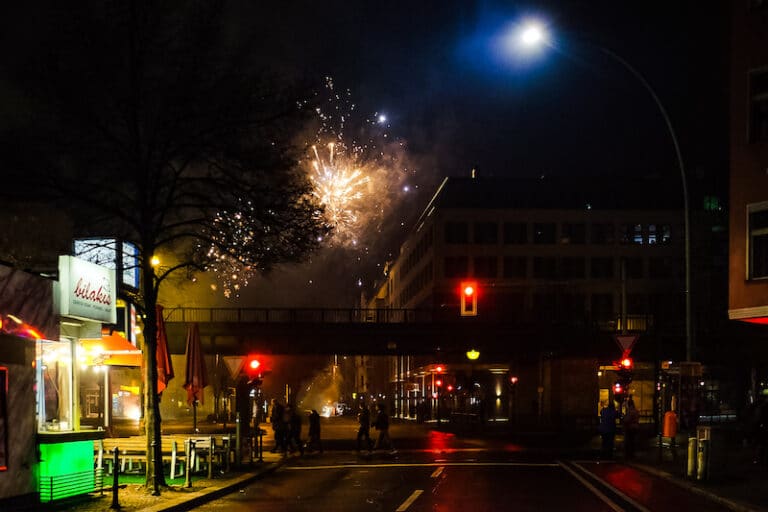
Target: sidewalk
{"type": "Point", "coordinates": [176, 497]}
{"type": "Point", "coordinates": [734, 480]}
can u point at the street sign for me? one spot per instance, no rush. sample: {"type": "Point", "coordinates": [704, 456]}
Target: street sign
{"type": "Point", "coordinates": [234, 364]}
{"type": "Point", "coordinates": [626, 341]}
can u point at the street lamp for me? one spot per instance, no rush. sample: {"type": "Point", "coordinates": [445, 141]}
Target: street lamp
{"type": "Point", "coordinates": [532, 35]}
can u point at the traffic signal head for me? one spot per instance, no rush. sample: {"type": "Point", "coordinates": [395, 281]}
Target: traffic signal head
{"type": "Point", "coordinates": [626, 363]}
{"type": "Point", "coordinates": [252, 366]}
{"type": "Point", "coordinates": [618, 392]}
{"type": "Point", "coordinates": [468, 295]}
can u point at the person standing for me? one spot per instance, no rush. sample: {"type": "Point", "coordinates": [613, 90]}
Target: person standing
{"type": "Point", "coordinates": [607, 429]}
{"type": "Point", "coordinates": [294, 430]}
{"type": "Point", "coordinates": [382, 425]}
{"type": "Point", "coordinates": [276, 419]}
{"type": "Point", "coordinates": [314, 442]}
{"type": "Point", "coordinates": [364, 427]}
{"type": "Point", "coordinates": [631, 426]}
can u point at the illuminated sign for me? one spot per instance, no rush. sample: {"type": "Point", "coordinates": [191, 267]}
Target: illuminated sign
{"type": "Point", "coordinates": [86, 290]}
{"type": "Point", "coordinates": [120, 256]}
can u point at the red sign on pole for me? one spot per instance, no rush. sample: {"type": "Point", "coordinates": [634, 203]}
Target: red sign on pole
{"type": "Point", "coordinates": [626, 342]}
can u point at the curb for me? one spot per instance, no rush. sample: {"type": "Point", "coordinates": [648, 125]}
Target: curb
{"type": "Point", "coordinates": [730, 504]}
{"type": "Point", "coordinates": [201, 497]}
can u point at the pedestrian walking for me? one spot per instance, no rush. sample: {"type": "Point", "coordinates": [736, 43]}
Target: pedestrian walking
{"type": "Point", "coordinates": [382, 425]}
{"type": "Point", "coordinates": [364, 427]}
{"type": "Point", "coordinates": [276, 414]}
{"type": "Point", "coordinates": [631, 422]}
{"type": "Point", "coordinates": [314, 442]}
{"type": "Point", "coordinates": [607, 429]}
{"type": "Point", "coordinates": [294, 430]}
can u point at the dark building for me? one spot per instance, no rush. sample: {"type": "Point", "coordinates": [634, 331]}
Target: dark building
{"type": "Point", "coordinates": [748, 249]}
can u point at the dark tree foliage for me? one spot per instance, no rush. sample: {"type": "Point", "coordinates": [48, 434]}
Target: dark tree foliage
{"type": "Point", "coordinates": [148, 121]}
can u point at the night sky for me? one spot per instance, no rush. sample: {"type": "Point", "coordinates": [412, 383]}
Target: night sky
{"type": "Point", "coordinates": [448, 88]}
{"type": "Point", "coordinates": [439, 71]}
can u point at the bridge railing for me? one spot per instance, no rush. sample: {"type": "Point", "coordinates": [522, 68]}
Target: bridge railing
{"type": "Point", "coordinates": [297, 315]}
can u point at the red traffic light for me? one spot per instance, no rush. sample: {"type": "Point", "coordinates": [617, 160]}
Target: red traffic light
{"type": "Point", "coordinates": [468, 293]}
{"type": "Point", "coordinates": [513, 379]}
{"type": "Point", "coordinates": [252, 366]}
{"type": "Point", "coordinates": [439, 369]}
{"type": "Point", "coordinates": [449, 388]}
{"type": "Point", "coordinates": [438, 383]}
{"type": "Point", "coordinates": [626, 363]}
{"type": "Point", "coordinates": [617, 389]}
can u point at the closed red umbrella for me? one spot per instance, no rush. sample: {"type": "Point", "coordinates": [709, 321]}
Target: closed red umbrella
{"type": "Point", "coordinates": [196, 377]}
{"type": "Point", "coordinates": [164, 365]}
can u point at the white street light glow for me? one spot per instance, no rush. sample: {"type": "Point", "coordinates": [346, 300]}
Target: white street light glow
{"type": "Point", "coordinates": [532, 35]}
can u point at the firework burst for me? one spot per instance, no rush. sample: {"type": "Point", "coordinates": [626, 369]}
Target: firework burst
{"type": "Point", "coordinates": [355, 167]}
{"type": "Point", "coordinates": [340, 186]}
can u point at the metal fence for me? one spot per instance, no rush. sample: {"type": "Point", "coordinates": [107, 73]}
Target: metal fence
{"type": "Point", "coordinates": [58, 487]}
{"type": "Point", "coordinates": [297, 315]}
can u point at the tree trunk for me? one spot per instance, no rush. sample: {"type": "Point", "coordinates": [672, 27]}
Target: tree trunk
{"type": "Point", "coordinates": [152, 421]}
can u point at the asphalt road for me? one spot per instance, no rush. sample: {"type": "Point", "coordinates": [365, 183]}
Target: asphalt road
{"type": "Point", "coordinates": [437, 471]}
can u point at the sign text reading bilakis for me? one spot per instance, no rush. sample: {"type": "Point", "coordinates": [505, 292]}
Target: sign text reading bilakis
{"type": "Point", "coordinates": [100, 295]}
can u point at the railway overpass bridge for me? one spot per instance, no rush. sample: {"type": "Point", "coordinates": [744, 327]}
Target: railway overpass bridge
{"type": "Point", "coordinates": [237, 331]}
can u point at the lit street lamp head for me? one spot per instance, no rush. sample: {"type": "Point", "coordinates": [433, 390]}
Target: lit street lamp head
{"type": "Point", "coordinates": [531, 35]}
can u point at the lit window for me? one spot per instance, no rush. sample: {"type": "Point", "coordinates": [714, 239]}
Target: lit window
{"type": "Point", "coordinates": [637, 234]}
{"type": "Point", "coordinates": [54, 385]}
{"type": "Point", "coordinates": [652, 234]}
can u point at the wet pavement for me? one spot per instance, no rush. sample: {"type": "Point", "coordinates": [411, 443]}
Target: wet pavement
{"type": "Point", "coordinates": [734, 481]}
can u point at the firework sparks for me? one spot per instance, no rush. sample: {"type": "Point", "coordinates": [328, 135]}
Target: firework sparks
{"type": "Point", "coordinates": [357, 178]}
{"type": "Point", "coordinates": [339, 186]}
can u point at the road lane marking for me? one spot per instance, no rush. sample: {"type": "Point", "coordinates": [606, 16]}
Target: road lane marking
{"type": "Point", "coordinates": [427, 465]}
{"type": "Point", "coordinates": [436, 473]}
{"type": "Point", "coordinates": [407, 503]}
{"type": "Point", "coordinates": [593, 489]}
{"type": "Point", "coordinates": [612, 488]}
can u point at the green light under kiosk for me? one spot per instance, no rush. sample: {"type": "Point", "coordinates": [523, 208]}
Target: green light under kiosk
{"type": "Point", "coordinates": [66, 469]}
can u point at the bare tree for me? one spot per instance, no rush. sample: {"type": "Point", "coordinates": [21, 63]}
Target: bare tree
{"type": "Point", "coordinates": [153, 122]}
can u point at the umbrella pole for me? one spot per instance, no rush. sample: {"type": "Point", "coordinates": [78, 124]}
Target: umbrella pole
{"type": "Point", "coordinates": [194, 416]}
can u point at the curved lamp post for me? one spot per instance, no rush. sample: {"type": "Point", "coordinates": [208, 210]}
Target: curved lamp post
{"type": "Point", "coordinates": [533, 35]}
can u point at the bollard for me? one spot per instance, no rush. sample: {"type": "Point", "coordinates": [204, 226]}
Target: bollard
{"type": "Point", "coordinates": [155, 479]}
{"type": "Point", "coordinates": [238, 452]}
{"type": "Point", "coordinates": [115, 480]}
{"type": "Point", "coordinates": [190, 461]}
{"type": "Point", "coordinates": [702, 460]}
{"type": "Point", "coordinates": [261, 445]}
{"type": "Point", "coordinates": [692, 455]}
{"type": "Point", "coordinates": [225, 442]}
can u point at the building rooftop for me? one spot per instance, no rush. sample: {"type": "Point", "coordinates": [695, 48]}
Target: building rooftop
{"type": "Point", "coordinates": [603, 193]}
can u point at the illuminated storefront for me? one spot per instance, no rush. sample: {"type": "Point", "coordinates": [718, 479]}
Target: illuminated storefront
{"type": "Point", "coordinates": [85, 298]}
{"type": "Point", "coordinates": [26, 318]}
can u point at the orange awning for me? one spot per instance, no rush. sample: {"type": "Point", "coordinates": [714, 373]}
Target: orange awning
{"type": "Point", "coordinates": [113, 350]}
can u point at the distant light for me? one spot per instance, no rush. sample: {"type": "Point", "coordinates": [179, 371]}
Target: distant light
{"type": "Point", "coordinates": [155, 261]}
{"type": "Point", "coordinates": [473, 354]}
{"type": "Point", "coordinates": [382, 118]}
{"type": "Point", "coordinates": [406, 188]}
{"type": "Point", "coordinates": [532, 35]}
